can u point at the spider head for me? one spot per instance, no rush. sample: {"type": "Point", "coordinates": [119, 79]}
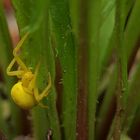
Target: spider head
{"type": "Point", "coordinates": [26, 78]}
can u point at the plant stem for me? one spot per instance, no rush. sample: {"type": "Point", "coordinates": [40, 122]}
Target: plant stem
{"type": "Point", "coordinates": [82, 58]}
{"type": "Point", "coordinates": [132, 31]}
{"type": "Point", "coordinates": [107, 110]}
{"type": "Point", "coordinates": [94, 18]}
{"type": "Point", "coordinates": [121, 68]}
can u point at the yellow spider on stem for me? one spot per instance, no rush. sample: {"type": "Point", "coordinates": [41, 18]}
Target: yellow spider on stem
{"type": "Point", "coordinates": [25, 92]}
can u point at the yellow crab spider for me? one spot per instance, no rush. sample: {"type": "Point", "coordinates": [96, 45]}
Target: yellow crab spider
{"type": "Point", "coordinates": [25, 92]}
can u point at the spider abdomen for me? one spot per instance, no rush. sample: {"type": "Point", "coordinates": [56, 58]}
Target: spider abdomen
{"type": "Point", "coordinates": [21, 97]}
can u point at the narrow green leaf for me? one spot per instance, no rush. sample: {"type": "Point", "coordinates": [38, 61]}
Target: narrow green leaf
{"type": "Point", "coordinates": [132, 31]}
{"type": "Point", "coordinates": [37, 49]}
{"type": "Point", "coordinates": [65, 47]}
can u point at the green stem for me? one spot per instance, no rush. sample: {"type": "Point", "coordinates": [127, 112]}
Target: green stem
{"type": "Point", "coordinates": [106, 112]}
{"type": "Point", "coordinates": [121, 68]}
{"type": "Point", "coordinates": [134, 99]}
{"type": "Point", "coordinates": [94, 63]}
{"type": "Point", "coordinates": [132, 31]}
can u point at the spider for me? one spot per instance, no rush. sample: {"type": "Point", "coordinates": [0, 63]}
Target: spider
{"type": "Point", "coordinates": [25, 92]}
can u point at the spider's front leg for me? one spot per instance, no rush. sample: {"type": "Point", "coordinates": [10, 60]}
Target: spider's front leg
{"type": "Point", "coordinates": [13, 73]}
{"type": "Point", "coordinates": [16, 50]}
{"type": "Point", "coordinates": [18, 60]}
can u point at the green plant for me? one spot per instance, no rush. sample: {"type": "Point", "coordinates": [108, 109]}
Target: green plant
{"type": "Point", "coordinates": [91, 49]}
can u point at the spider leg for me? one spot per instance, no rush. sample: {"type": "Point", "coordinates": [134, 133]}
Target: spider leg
{"type": "Point", "coordinates": [13, 73]}
{"type": "Point", "coordinates": [16, 49]}
{"type": "Point", "coordinates": [37, 97]}
{"type": "Point", "coordinates": [46, 90]}
{"type": "Point", "coordinates": [28, 91]}
{"type": "Point", "coordinates": [32, 84]}
{"type": "Point", "coordinates": [43, 106]}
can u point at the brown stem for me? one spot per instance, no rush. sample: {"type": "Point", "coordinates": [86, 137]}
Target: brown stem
{"type": "Point", "coordinates": [118, 115]}
{"type": "Point", "coordinates": [120, 58]}
{"type": "Point", "coordinates": [82, 73]}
